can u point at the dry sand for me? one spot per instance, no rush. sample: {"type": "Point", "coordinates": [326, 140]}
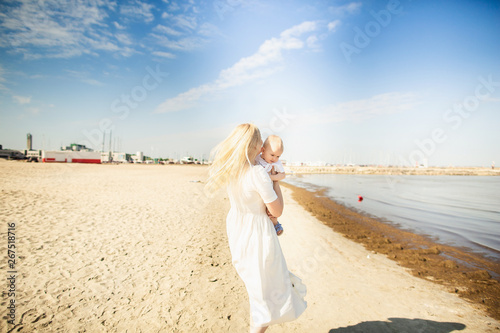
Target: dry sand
{"type": "Point", "coordinates": [139, 248]}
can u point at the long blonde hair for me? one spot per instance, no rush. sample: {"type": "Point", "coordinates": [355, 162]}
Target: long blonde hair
{"type": "Point", "coordinates": [231, 157]}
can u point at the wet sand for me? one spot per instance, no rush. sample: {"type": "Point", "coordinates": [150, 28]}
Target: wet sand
{"type": "Point", "coordinates": [467, 274]}
{"type": "Point", "coordinates": [139, 248]}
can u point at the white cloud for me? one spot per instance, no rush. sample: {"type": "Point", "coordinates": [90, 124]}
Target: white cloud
{"type": "Point", "coordinates": [208, 29]}
{"type": "Point", "coordinates": [350, 8]}
{"type": "Point", "coordinates": [332, 26]}
{"type": "Point", "coordinates": [2, 78]}
{"type": "Point", "coordinates": [270, 52]}
{"type": "Point", "coordinates": [174, 7]}
{"type": "Point", "coordinates": [22, 99]}
{"type": "Point", "coordinates": [164, 54]}
{"type": "Point", "coordinates": [299, 29]}
{"type": "Point", "coordinates": [313, 42]}
{"type": "Point", "coordinates": [183, 44]}
{"type": "Point", "coordinates": [186, 100]}
{"type": "Point", "coordinates": [138, 11]}
{"type": "Point", "coordinates": [119, 26]}
{"type": "Point", "coordinates": [58, 29]}
{"type": "Point", "coordinates": [388, 103]}
{"type": "Point", "coordinates": [186, 36]}
{"type": "Point", "coordinates": [166, 30]}
{"type": "Point", "coordinates": [84, 77]}
{"type": "Point", "coordinates": [185, 22]}
{"type": "Point", "coordinates": [93, 82]}
{"type": "Point", "coordinates": [123, 38]}
{"type": "Point", "coordinates": [182, 29]}
{"type": "Point", "coordinates": [261, 64]}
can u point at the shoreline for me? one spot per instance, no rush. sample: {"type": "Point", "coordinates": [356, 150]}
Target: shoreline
{"type": "Point", "coordinates": [425, 258]}
{"type": "Point", "coordinates": [372, 170]}
{"type": "Point", "coordinates": [110, 248]}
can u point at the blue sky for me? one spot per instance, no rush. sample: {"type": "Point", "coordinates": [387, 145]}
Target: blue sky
{"type": "Point", "coordinates": [378, 82]}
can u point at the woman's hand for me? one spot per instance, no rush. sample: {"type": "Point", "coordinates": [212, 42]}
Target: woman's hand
{"type": "Point", "coordinates": [276, 207]}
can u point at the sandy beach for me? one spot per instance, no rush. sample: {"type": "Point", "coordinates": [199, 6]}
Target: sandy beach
{"type": "Point", "coordinates": [140, 248]}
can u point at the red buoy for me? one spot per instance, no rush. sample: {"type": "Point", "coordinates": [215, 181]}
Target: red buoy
{"type": "Point", "coordinates": [360, 198]}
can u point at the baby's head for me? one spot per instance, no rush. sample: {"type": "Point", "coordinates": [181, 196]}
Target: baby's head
{"type": "Point", "coordinates": [272, 149]}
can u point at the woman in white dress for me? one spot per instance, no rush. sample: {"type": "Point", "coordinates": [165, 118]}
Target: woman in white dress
{"type": "Point", "coordinates": [275, 294]}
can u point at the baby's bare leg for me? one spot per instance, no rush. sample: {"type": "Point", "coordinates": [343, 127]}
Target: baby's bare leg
{"type": "Point", "coordinates": [279, 230]}
{"type": "Point", "coordinates": [273, 219]}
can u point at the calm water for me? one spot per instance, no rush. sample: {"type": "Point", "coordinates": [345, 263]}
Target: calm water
{"type": "Point", "coordinates": [455, 210]}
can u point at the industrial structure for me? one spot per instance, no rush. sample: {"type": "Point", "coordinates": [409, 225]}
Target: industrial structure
{"type": "Point", "coordinates": [29, 144]}
{"type": "Point", "coordinates": [11, 154]}
{"type": "Point", "coordinates": [77, 153]}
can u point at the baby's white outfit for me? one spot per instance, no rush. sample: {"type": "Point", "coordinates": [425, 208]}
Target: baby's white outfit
{"type": "Point", "coordinates": [268, 166]}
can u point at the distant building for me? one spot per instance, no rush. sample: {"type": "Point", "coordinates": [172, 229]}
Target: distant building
{"type": "Point", "coordinates": [29, 143]}
{"type": "Point", "coordinates": [187, 160]}
{"type": "Point", "coordinates": [120, 157]}
{"type": "Point", "coordinates": [317, 164]}
{"type": "Point", "coordinates": [11, 154]}
{"type": "Point", "coordinates": [106, 157]}
{"type": "Point", "coordinates": [68, 156]}
{"type": "Point", "coordinates": [76, 147]}
{"type": "Point", "coordinates": [30, 154]}
{"type": "Point", "coordinates": [33, 155]}
{"type": "Point", "coordinates": [137, 158]}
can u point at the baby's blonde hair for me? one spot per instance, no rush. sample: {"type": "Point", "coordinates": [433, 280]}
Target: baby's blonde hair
{"type": "Point", "coordinates": [231, 156]}
{"type": "Point", "coordinates": [274, 141]}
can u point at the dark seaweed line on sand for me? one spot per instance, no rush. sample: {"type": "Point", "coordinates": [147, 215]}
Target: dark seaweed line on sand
{"type": "Point", "coordinates": [425, 258]}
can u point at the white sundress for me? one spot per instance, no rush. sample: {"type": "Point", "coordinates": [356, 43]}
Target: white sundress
{"type": "Point", "coordinates": [275, 294]}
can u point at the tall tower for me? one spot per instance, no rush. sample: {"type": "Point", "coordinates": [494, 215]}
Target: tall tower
{"type": "Point", "coordinates": [29, 145]}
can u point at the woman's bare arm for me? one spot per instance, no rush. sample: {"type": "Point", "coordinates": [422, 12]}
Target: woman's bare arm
{"type": "Point", "coordinates": [276, 207]}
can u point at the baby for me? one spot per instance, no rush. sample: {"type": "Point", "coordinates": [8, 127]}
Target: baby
{"type": "Point", "coordinates": [269, 159]}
